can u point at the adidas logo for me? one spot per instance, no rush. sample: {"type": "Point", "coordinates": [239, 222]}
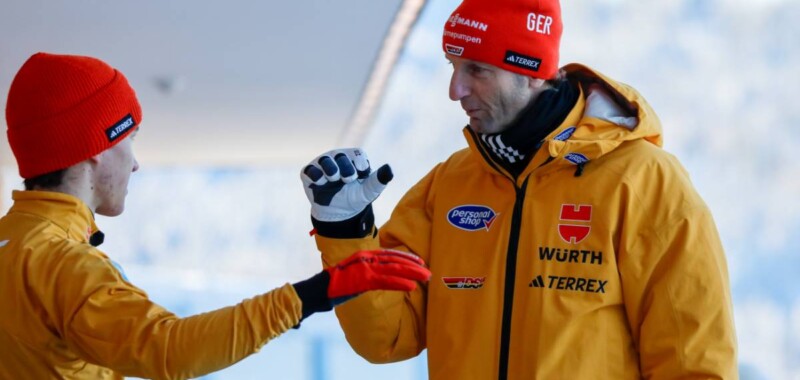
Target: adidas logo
{"type": "Point", "coordinates": [576, 284]}
{"type": "Point", "coordinates": [520, 60]}
{"type": "Point", "coordinates": [120, 127]}
{"type": "Point", "coordinates": [537, 282]}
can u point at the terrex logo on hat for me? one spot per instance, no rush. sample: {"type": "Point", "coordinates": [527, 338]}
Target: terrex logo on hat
{"type": "Point", "coordinates": [523, 61]}
{"type": "Point", "coordinates": [514, 35]}
{"type": "Point", "coordinates": [63, 109]}
{"type": "Point", "coordinates": [118, 129]}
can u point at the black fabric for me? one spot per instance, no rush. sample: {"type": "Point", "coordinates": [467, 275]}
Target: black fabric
{"type": "Point", "coordinates": [534, 123]}
{"type": "Point", "coordinates": [97, 238]}
{"type": "Point", "coordinates": [358, 226]}
{"type": "Point", "coordinates": [313, 294]}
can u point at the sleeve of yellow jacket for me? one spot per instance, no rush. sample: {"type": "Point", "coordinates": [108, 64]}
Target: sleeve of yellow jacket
{"type": "Point", "coordinates": [109, 322]}
{"type": "Point", "coordinates": [675, 281]}
{"type": "Point", "coordinates": [386, 326]}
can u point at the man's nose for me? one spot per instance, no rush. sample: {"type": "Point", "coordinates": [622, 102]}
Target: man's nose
{"type": "Point", "coordinates": [458, 87]}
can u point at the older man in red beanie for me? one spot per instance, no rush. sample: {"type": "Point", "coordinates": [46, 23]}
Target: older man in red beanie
{"type": "Point", "coordinates": [564, 242]}
{"type": "Point", "coordinates": [66, 310]}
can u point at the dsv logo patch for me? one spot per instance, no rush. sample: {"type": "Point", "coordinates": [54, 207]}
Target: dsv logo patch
{"type": "Point", "coordinates": [471, 217]}
{"type": "Point", "coordinates": [463, 282]}
{"type": "Point", "coordinates": [454, 50]}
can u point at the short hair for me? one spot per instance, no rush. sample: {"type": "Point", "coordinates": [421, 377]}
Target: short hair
{"type": "Point", "coordinates": [45, 181]}
{"type": "Point", "coordinates": [561, 75]}
{"type": "Point", "coordinates": [554, 82]}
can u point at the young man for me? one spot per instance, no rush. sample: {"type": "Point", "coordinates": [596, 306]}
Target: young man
{"type": "Point", "coordinates": [564, 242]}
{"type": "Point", "coordinates": [66, 310]}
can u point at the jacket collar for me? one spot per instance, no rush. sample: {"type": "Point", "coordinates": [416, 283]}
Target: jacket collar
{"type": "Point", "coordinates": [540, 158]}
{"type": "Point", "coordinates": [65, 211]}
{"type": "Point", "coordinates": [606, 114]}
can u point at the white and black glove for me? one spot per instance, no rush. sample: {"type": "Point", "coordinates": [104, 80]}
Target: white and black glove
{"type": "Point", "coordinates": [341, 187]}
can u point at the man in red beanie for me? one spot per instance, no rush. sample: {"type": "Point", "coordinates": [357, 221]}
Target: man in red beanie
{"type": "Point", "coordinates": [564, 242]}
{"type": "Point", "coordinates": [67, 310]}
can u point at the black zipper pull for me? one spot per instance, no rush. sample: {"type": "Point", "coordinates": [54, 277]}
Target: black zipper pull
{"type": "Point", "coordinates": [97, 238]}
{"type": "Point", "coordinates": [579, 170]}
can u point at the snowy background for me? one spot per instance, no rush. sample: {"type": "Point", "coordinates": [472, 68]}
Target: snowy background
{"type": "Point", "coordinates": [721, 74]}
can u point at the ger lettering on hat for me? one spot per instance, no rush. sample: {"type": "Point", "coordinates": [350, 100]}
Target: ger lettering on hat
{"type": "Point", "coordinates": [514, 35]}
{"type": "Point", "coordinates": [63, 109]}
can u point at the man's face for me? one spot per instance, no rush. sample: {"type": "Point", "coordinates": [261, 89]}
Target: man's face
{"type": "Point", "coordinates": [114, 169]}
{"type": "Point", "coordinates": [492, 97]}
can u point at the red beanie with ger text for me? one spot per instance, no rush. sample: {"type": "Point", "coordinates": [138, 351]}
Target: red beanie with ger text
{"type": "Point", "coordinates": [64, 109]}
{"type": "Point", "coordinates": [522, 36]}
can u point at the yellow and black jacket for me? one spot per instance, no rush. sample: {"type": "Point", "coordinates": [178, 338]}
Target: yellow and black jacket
{"type": "Point", "coordinates": [66, 312]}
{"type": "Point", "coordinates": [599, 261]}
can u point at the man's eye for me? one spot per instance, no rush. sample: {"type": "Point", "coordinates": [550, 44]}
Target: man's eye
{"type": "Point", "coordinates": [476, 69]}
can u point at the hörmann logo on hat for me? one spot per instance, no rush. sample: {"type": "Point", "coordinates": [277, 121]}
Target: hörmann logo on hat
{"type": "Point", "coordinates": [457, 19]}
{"type": "Point", "coordinates": [454, 50]}
{"type": "Point", "coordinates": [120, 127]}
{"type": "Point", "coordinates": [462, 37]}
{"type": "Point", "coordinates": [471, 217]}
{"type": "Point", "coordinates": [520, 60]}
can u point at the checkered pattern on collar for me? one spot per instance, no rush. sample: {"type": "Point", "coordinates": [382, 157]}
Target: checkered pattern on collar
{"type": "Point", "coordinates": [501, 150]}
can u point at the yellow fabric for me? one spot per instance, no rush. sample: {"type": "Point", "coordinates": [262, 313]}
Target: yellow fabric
{"type": "Point", "coordinates": [67, 313]}
{"type": "Point", "coordinates": [665, 309]}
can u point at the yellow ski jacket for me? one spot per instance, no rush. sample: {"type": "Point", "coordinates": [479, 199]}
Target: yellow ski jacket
{"type": "Point", "coordinates": [66, 312]}
{"type": "Point", "coordinates": [599, 261]}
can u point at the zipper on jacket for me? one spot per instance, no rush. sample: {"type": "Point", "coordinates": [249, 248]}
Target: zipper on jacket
{"type": "Point", "coordinates": [511, 275]}
{"type": "Point", "coordinates": [511, 257]}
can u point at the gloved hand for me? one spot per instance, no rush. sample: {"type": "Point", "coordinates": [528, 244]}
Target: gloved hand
{"type": "Point", "coordinates": [340, 185]}
{"type": "Point", "coordinates": [381, 269]}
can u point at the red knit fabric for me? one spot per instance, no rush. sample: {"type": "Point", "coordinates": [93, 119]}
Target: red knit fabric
{"type": "Point", "coordinates": [515, 35]}
{"type": "Point", "coordinates": [63, 109]}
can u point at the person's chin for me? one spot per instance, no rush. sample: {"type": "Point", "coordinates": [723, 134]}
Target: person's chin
{"type": "Point", "coordinates": [478, 126]}
{"type": "Point", "coordinates": [475, 125]}
{"type": "Point", "coordinates": [111, 211]}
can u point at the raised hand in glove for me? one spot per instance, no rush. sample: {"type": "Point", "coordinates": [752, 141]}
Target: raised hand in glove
{"type": "Point", "coordinates": [341, 187]}
{"type": "Point", "coordinates": [381, 269]}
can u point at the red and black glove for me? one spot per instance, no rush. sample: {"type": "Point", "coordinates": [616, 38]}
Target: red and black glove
{"type": "Point", "coordinates": [382, 269]}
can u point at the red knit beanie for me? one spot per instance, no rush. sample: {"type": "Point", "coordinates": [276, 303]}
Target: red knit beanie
{"type": "Point", "coordinates": [514, 35]}
{"type": "Point", "coordinates": [63, 109]}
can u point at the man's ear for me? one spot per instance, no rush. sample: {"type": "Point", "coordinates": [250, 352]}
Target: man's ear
{"type": "Point", "coordinates": [94, 160]}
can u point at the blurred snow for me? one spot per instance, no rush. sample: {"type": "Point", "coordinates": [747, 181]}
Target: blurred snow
{"type": "Point", "coordinates": [720, 73]}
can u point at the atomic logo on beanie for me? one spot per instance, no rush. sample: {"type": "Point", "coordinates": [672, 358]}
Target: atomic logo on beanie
{"type": "Point", "coordinates": [522, 36]}
{"type": "Point", "coordinates": [63, 109]}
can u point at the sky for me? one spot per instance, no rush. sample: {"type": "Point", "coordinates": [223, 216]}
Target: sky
{"type": "Point", "coordinates": [721, 75]}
